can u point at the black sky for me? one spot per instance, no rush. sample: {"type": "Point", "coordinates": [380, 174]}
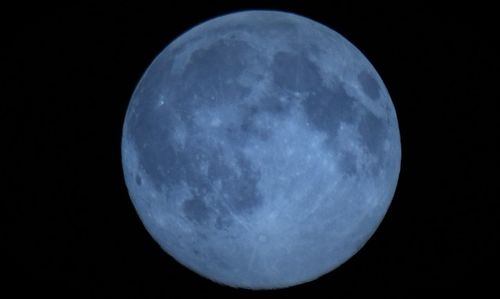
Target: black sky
{"type": "Point", "coordinates": [71, 71]}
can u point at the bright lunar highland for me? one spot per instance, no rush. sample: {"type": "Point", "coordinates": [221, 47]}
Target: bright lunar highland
{"type": "Point", "coordinates": [261, 149]}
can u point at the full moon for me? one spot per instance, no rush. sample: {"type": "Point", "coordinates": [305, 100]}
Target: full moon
{"type": "Point", "coordinates": [261, 149]}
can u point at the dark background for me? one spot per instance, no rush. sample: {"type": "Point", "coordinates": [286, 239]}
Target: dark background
{"type": "Point", "coordinates": [70, 72]}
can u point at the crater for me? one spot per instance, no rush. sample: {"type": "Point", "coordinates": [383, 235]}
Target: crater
{"type": "Point", "coordinates": [138, 180]}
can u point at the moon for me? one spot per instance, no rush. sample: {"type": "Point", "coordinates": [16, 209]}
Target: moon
{"type": "Point", "coordinates": [261, 149]}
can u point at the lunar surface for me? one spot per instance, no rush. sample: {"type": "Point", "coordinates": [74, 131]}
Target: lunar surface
{"type": "Point", "coordinates": [261, 149]}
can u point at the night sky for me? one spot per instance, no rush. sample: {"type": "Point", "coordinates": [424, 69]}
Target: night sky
{"type": "Point", "coordinates": [71, 70]}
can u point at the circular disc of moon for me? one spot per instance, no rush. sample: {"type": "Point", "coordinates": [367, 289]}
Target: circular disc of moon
{"type": "Point", "coordinates": [261, 149]}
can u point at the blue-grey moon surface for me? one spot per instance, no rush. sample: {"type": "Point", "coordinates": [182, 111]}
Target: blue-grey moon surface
{"type": "Point", "coordinates": [261, 149]}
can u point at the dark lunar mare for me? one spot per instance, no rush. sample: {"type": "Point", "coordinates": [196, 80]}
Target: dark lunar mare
{"type": "Point", "coordinates": [326, 107]}
{"type": "Point", "coordinates": [169, 164]}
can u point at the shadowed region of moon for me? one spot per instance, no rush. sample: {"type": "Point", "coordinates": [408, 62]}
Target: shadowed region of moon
{"type": "Point", "coordinates": [261, 149]}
